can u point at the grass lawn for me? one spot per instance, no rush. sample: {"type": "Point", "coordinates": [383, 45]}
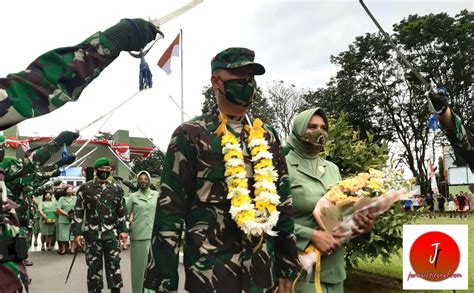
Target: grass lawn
{"type": "Point", "coordinates": [395, 269]}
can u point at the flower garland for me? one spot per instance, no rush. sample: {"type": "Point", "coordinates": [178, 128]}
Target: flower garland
{"type": "Point", "coordinates": [255, 216]}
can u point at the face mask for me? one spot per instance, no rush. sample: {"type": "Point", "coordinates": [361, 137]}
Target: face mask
{"type": "Point", "coordinates": [102, 174]}
{"type": "Point", "coordinates": [143, 185]}
{"type": "Point", "coordinates": [316, 140]}
{"type": "Point", "coordinates": [70, 193]}
{"type": "Point", "coordinates": [240, 91]}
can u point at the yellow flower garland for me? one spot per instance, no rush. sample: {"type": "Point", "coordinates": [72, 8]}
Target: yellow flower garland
{"type": "Point", "coordinates": [255, 216]}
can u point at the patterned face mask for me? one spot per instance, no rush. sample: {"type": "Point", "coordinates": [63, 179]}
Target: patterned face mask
{"type": "Point", "coordinates": [316, 139]}
{"type": "Point", "coordinates": [103, 174]}
{"type": "Point", "coordinates": [240, 91]}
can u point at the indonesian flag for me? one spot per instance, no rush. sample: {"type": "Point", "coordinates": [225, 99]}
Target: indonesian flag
{"type": "Point", "coordinates": [165, 60]}
{"type": "Point", "coordinates": [122, 150]}
{"type": "Point", "coordinates": [434, 185]}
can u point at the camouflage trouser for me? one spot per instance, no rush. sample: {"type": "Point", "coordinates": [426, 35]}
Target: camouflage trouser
{"type": "Point", "coordinates": [96, 251]}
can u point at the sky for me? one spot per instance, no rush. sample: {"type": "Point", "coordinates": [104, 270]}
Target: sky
{"type": "Point", "coordinates": [292, 39]}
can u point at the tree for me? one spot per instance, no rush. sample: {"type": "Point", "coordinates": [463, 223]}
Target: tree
{"type": "Point", "coordinates": [285, 103]}
{"type": "Point", "coordinates": [260, 108]}
{"type": "Point", "coordinates": [353, 155]}
{"type": "Point", "coordinates": [153, 164]}
{"type": "Point", "coordinates": [380, 95]}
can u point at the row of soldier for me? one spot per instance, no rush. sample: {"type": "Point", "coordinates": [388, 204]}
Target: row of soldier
{"type": "Point", "coordinates": [221, 252]}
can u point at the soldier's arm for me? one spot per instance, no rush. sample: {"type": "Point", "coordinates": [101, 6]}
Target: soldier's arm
{"type": "Point", "coordinates": [59, 76]}
{"type": "Point", "coordinates": [461, 139]}
{"type": "Point", "coordinates": [121, 213]}
{"type": "Point", "coordinates": [76, 225]}
{"type": "Point", "coordinates": [176, 184]}
{"type": "Point", "coordinates": [287, 265]}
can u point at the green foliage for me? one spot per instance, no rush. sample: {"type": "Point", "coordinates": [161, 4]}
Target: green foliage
{"type": "Point", "coordinates": [351, 154]}
{"type": "Point", "coordinates": [385, 240]}
{"type": "Point", "coordinates": [354, 155]}
{"type": "Point", "coordinates": [379, 95]}
{"type": "Point", "coordinates": [153, 164]}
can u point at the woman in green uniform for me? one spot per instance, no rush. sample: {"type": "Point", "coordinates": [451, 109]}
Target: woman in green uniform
{"type": "Point", "coordinates": [141, 207]}
{"type": "Point", "coordinates": [65, 208]}
{"type": "Point", "coordinates": [310, 176]}
{"type": "Point", "coordinates": [47, 210]}
{"type": "Point", "coordinates": [36, 226]}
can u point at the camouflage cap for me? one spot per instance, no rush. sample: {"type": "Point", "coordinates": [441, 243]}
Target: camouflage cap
{"type": "Point", "coordinates": [102, 162]}
{"type": "Point", "coordinates": [235, 58]}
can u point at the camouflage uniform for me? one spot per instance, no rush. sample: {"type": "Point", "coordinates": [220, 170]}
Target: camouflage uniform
{"type": "Point", "coordinates": [59, 76]}
{"type": "Point", "coordinates": [218, 256]}
{"type": "Point", "coordinates": [100, 208]}
{"type": "Point", "coordinates": [462, 141]}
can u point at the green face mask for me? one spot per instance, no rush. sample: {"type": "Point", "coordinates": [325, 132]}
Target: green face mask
{"type": "Point", "coordinates": [240, 91]}
{"type": "Point", "coordinates": [315, 140]}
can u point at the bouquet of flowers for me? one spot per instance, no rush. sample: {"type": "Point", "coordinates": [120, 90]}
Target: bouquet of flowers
{"type": "Point", "coordinates": [370, 193]}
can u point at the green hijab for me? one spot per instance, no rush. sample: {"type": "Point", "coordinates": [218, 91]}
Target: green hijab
{"type": "Point", "coordinates": [300, 123]}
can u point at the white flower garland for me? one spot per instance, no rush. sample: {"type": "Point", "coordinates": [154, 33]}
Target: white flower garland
{"type": "Point", "coordinates": [255, 216]}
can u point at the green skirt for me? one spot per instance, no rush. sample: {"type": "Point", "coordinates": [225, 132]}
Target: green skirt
{"type": "Point", "coordinates": [47, 229]}
{"type": "Point", "coordinates": [138, 260]}
{"type": "Point", "coordinates": [303, 287]}
{"type": "Point", "coordinates": [63, 232]}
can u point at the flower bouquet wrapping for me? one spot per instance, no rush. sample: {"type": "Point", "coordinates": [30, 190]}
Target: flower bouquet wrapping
{"type": "Point", "coordinates": [370, 193]}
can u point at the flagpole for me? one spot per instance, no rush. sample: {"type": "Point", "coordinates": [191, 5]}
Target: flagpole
{"type": "Point", "coordinates": [182, 90]}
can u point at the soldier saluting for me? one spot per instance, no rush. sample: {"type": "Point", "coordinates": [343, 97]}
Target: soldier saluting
{"type": "Point", "coordinates": [100, 210]}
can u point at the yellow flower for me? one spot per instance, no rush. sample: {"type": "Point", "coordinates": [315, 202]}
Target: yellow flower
{"type": "Point", "coordinates": [374, 183]}
{"type": "Point", "coordinates": [261, 205]}
{"type": "Point", "coordinates": [240, 200]}
{"type": "Point", "coordinates": [229, 138]}
{"type": "Point", "coordinates": [376, 173]}
{"type": "Point", "coordinates": [262, 177]}
{"type": "Point", "coordinates": [232, 170]}
{"type": "Point", "coordinates": [257, 149]}
{"type": "Point", "coordinates": [263, 163]}
{"type": "Point", "coordinates": [233, 154]}
{"type": "Point", "coordinates": [247, 217]}
{"type": "Point", "coordinates": [271, 208]}
{"type": "Point", "coordinates": [335, 194]}
{"type": "Point", "coordinates": [244, 216]}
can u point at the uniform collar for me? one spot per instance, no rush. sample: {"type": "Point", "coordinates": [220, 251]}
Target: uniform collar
{"type": "Point", "coordinates": [314, 168]}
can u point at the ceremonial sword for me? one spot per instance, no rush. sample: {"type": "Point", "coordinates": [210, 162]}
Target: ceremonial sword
{"type": "Point", "coordinates": [157, 23]}
{"type": "Point", "coordinates": [428, 85]}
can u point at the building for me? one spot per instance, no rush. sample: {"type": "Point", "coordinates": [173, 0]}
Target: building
{"type": "Point", "coordinates": [457, 178]}
{"type": "Point", "coordinates": [122, 149]}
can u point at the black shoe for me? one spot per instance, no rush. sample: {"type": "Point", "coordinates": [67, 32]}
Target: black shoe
{"type": "Point", "coordinates": [28, 262]}
{"type": "Point", "coordinates": [115, 290]}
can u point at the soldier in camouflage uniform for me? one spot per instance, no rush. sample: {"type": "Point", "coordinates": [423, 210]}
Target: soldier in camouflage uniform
{"type": "Point", "coordinates": [54, 78]}
{"type": "Point", "coordinates": [60, 76]}
{"type": "Point", "coordinates": [100, 209]}
{"type": "Point", "coordinates": [218, 256]}
{"type": "Point", "coordinates": [460, 137]}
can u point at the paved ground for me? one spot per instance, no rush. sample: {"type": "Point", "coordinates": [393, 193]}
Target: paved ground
{"type": "Point", "coordinates": [50, 270]}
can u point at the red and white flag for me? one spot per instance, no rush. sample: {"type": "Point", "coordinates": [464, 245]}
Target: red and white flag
{"type": "Point", "coordinates": [165, 60]}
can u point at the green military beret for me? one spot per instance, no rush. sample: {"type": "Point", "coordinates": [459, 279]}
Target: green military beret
{"type": "Point", "coordinates": [102, 162]}
{"type": "Point", "coordinates": [235, 58]}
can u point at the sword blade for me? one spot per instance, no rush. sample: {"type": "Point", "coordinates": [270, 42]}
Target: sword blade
{"type": "Point", "coordinates": [428, 85]}
{"type": "Point", "coordinates": [175, 13]}
{"type": "Point", "coordinates": [72, 264]}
